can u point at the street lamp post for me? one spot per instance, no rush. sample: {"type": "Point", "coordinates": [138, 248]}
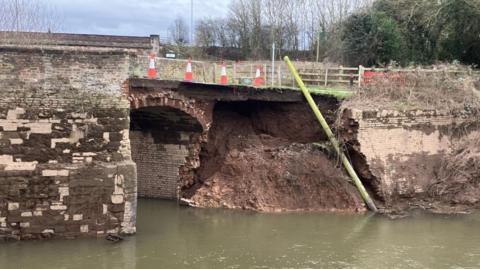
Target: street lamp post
{"type": "Point", "coordinates": [191, 22]}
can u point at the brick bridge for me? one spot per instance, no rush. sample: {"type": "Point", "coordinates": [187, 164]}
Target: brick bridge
{"type": "Point", "coordinates": [77, 130]}
{"type": "Point", "coordinates": [78, 127]}
{"type": "Point", "coordinates": [170, 120]}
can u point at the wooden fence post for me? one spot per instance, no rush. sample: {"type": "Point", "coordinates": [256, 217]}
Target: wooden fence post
{"type": "Point", "coordinates": [326, 76]}
{"type": "Point", "coordinates": [265, 74]}
{"type": "Point", "coordinates": [234, 72]}
{"type": "Point", "coordinates": [280, 75]}
{"type": "Point", "coordinates": [214, 72]}
{"type": "Point", "coordinates": [360, 75]}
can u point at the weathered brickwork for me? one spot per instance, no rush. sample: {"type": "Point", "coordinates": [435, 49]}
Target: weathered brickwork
{"type": "Point", "coordinates": [402, 150]}
{"type": "Point", "coordinates": [171, 139]}
{"type": "Point", "coordinates": [158, 165]}
{"type": "Point", "coordinates": [65, 161]}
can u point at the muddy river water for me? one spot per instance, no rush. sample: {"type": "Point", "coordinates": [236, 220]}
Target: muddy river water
{"type": "Point", "coordinates": [176, 237]}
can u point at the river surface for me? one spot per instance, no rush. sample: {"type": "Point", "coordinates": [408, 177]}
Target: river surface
{"type": "Point", "coordinates": [169, 236]}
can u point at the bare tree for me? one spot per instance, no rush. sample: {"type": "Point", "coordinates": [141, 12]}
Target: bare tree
{"type": "Point", "coordinates": [273, 12]}
{"type": "Point", "coordinates": [252, 25]}
{"type": "Point", "coordinates": [332, 12]}
{"type": "Point", "coordinates": [179, 31]}
{"type": "Point", "coordinates": [27, 16]}
{"type": "Point", "coordinates": [205, 33]}
{"type": "Point", "coordinates": [239, 21]}
{"type": "Point", "coordinates": [224, 34]}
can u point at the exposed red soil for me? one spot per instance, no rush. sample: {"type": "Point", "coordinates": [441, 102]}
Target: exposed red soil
{"type": "Point", "coordinates": [260, 156]}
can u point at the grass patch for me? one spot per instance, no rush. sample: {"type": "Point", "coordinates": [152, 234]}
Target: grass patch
{"type": "Point", "coordinates": [337, 92]}
{"type": "Point", "coordinates": [317, 90]}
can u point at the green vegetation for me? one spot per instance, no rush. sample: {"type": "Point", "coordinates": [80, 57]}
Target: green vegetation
{"type": "Point", "coordinates": [371, 38]}
{"type": "Point", "coordinates": [413, 31]}
{"type": "Point", "coordinates": [337, 92]}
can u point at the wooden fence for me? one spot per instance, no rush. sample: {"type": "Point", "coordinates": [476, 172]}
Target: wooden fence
{"type": "Point", "coordinates": [313, 74]}
{"type": "Point", "coordinates": [331, 76]}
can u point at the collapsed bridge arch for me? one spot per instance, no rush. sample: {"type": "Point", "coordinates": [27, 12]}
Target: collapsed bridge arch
{"type": "Point", "coordinates": [234, 147]}
{"type": "Point", "coordinates": [166, 130]}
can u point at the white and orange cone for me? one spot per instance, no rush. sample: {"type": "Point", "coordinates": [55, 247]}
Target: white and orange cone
{"type": "Point", "coordinates": [223, 75]}
{"type": "Point", "coordinates": [258, 78]}
{"type": "Point", "coordinates": [152, 71]}
{"type": "Point", "coordinates": [188, 73]}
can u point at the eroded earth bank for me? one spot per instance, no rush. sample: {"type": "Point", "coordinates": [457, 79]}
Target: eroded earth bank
{"type": "Point", "coordinates": [271, 157]}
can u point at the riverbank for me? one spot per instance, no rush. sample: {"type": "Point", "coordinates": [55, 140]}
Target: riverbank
{"type": "Point", "coordinates": [263, 157]}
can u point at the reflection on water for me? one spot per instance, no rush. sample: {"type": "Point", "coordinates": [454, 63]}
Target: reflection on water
{"type": "Point", "coordinates": [176, 237]}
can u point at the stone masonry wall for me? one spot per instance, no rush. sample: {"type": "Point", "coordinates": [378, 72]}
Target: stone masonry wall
{"type": "Point", "coordinates": [400, 152]}
{"type": "Point", "coordinates": [157, 165]}
{"type": "Point", "coordinates": [65, 162]}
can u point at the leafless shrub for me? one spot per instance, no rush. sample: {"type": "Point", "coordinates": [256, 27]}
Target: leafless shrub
{"type": "Point", "coordinates": [459, 174]}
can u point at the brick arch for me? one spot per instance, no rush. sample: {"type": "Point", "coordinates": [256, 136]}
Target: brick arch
{"type": "Point", "coordinates": [200, 110]}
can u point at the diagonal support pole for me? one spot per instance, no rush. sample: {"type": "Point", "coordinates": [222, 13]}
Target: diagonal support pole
{"type": "Point", "coordinates": [346, 163]}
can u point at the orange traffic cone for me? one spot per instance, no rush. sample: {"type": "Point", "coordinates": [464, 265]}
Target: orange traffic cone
{"type": "Point", "coordinates": [152, 71]}
{"type": "Point", "coordinates": [223, 75]}
{"type": "Point", "coordinates": [258, 78]}
{"type": "Point", "coordinates": [188, 73]}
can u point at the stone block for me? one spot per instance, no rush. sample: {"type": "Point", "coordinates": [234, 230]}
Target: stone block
{"type": "Point", "coordinates": [58, 206]}
{"type": "Point", "coordinates": [55, 173]}
{"type": "Point", "coordinates": [117, 199]}
{"type": "Point", "coordinates": [13, 206]}
{"type": "Point", "coordinates": [84, 228]}
{"type": "Point", "coordinates": [16, 141]}
{"type": "Point", "coordinates": [26, 214]}
{"type": "Point", "coordinates": [38, 213]}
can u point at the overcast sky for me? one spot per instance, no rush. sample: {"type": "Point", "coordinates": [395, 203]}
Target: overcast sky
{"type": "Point", "coordinates": [131, 17]}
